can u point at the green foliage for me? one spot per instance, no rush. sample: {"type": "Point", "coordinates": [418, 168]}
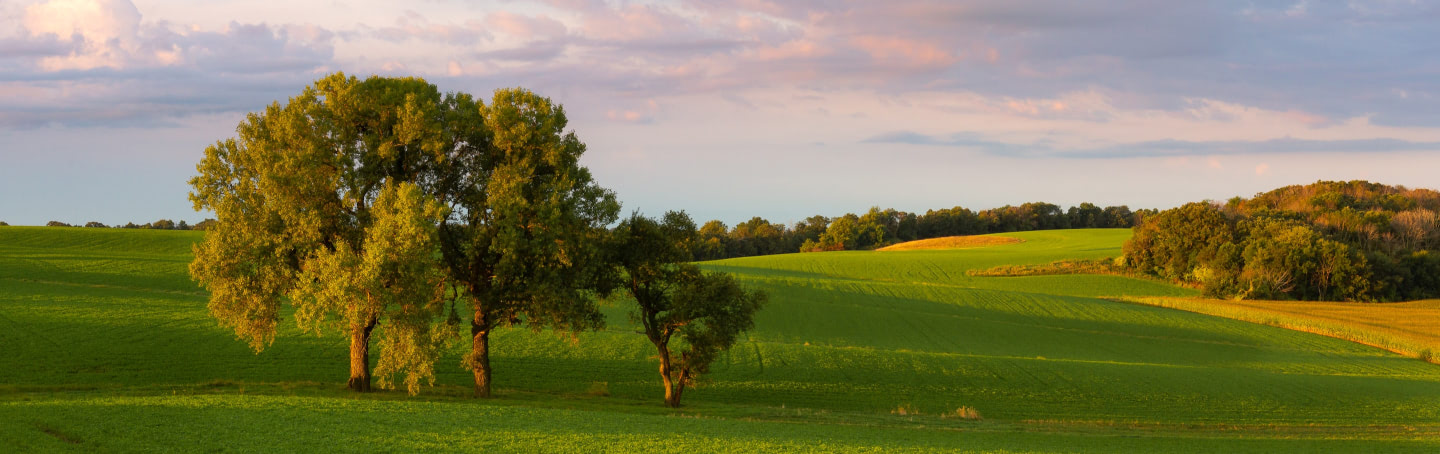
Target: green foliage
{"type": "Point", "coordinates": [758, 237]}
{"type": "Point", "coordinates": [56, 224]}
{"type": "Point", "coordinates": [394, 277]}
{"type": "Point", "coordinates": [299, 184]}
{"type": "Point", "coordinates": [712, 241]}
{"type": "Point", "coordinates": [707, 310]}
{"type": "Point", "coordinates": [878, 228]}
{"type": "Point", "coordinates": [525, 240]}
{"type": "Point", "coordinates": [1175, 242]}
{"type": "Point", "coordinates": [843, 233]}
{"type": "Point", "coordinates": [712, 310]}
{"type": "Point", "coordinates": [1329, 240]}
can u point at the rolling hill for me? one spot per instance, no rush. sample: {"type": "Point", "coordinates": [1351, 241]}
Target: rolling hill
{"type": "Point", "coordinates": [108, 346]}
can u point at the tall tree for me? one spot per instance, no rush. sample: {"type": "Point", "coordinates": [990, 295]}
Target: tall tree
{"type": "Point", "coordinates": [298, 184]}
{"type": "Point", "coordinates": [707, 310]}
{"type": "Point", "coordinates": [524, 238]}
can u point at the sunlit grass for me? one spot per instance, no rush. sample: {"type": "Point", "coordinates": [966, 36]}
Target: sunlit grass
{"type": "Point", "coordinates": [1411, 329]}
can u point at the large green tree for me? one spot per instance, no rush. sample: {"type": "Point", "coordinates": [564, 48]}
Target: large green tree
{"type": "Point", "coordinates": [296, 191]}
{"type": "Point", "coordinates": [525, 234]}
{"type": "Point", "coordinates": [708, 311]}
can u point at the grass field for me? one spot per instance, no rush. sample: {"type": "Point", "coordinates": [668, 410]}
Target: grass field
{"type": "Point", "coordinates": [108, 346]}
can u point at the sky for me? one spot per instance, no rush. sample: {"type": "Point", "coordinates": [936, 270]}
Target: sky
{"type": "Point", "coordinates": [730, 109]}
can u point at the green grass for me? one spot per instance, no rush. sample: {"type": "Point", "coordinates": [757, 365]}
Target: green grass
{"type": "Point", "coordinates": [108, 346]}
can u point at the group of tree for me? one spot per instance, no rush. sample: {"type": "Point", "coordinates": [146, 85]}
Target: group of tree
{"type": "Point", "coordinates": [388, 211]}
{"type": "Point", "coordinates": [878, 228]}
{"type": "Point", "coordinates": [163, 224]}
{"type": "Point", "coordinates": [1353, 241]}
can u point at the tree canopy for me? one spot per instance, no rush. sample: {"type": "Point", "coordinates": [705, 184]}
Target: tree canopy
{"type": "Point", "coordinates": [527, 222]}
{"type": "Point", "coordinates": [296, 188]}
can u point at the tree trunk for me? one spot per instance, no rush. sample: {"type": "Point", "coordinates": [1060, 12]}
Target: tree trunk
{"type": "Point", "coordinates": [680, 386]}
{"type": "Point", "coordinates": [480, 354]}
{"type": "Point", "coordinates": [672, 398]}
{"type": "Point", "coordinates": [360, 356]}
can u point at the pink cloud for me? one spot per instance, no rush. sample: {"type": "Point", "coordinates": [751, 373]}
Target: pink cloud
{"type": "Point", "coordinates": [632, 23]}
{"type": "Point", "coordinates": [525, 27]}
{"type": "Point", "coordinates": [802, 49]}
{"type": "Point", "coordinates": [893, 50]}
{"type": "Point", "coordinates": [1307, 118]}
{"type": "Point", "coordinates": [89, 34]}
{"type": "Point", "coordinates": [413, 26]}
{"type": "Point", "coordinates": [642, 114]}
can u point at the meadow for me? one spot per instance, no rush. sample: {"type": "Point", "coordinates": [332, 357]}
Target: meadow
{"type": "Point", "coordinates": [108, 346]}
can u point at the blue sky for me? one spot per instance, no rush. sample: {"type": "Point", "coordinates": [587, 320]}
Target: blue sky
{"type": "Point", "coordinates": [737, 108]}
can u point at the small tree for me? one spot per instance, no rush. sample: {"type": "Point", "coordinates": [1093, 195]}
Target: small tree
{"type": "Point", "coordinates": [95, 224]}
{"type": "Point", "coordinates": [707, 310]}
{"type": "Point", "coordinates": [56, 224]}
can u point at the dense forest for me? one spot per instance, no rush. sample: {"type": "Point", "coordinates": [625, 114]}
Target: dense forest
{"type": "Point", "coordinates": [882, 227]}
{"type": "Point", "coordinates": [1352, 241]}
{"type": "Point", "coordinates": [163, 224]}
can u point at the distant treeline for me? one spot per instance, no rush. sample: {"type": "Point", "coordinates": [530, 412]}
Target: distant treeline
{"type": "Point", "coordinates": [1354, 241]}
{"type": "Point", "coordinates": [163, 224]}
{"type": "Point", "coordinates": [879, 228]}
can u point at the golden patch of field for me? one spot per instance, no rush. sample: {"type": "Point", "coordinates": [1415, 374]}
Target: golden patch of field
{"type": "Point", "coordinates": [952, 242]}
{"type": "Point", "coordinates": [1411, 328]}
